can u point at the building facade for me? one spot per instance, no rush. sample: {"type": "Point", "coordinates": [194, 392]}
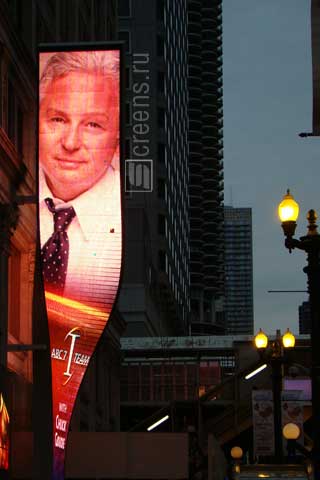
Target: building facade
{"type": "Point", "coordinates": [154, 297]}
{"type": "Point", "coordinates": [171, 373]}
{"type": "Point", "coordinates": [205, 166]}
{"type": "Point", "coordinates": [25, 367]}
{"type": "Point", "coordinates": [238, 271]}
{"type": "Point", "coordinates": [173, 279]}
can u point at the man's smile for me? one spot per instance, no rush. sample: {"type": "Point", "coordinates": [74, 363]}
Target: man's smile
{"type": "Point", "coordinates": [69, 163]}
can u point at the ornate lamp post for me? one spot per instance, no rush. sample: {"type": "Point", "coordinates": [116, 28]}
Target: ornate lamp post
{"type": "Point", "coordinates": [273, 354]}
{"type": "Point", "coordinates": [310, 243]}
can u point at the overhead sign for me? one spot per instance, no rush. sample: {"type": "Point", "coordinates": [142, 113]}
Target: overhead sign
{"type": "Point", "coordinates": [79, 214]}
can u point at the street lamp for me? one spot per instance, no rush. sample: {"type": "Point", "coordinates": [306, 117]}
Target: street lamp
{"type": "Point", "coordinates": [288, 339]}
{"type": "Point", "coordinates": [261, 340]}
{"type": "Point", "coordinates": [236, 455]}
{"type": "Point", "coordinates": [310, 243]}
{"type": "Point", "coordinates": [272, 352]}
{"type": "Point", "coordinates": [291, 433]}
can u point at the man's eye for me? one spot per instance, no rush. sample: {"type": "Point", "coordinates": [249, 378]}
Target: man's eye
{"type": "Point", "coordinates": [94, 125]}
{"type": "Point", "coordinates": [57, 120]}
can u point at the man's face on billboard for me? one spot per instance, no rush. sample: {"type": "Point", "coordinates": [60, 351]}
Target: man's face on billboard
{"type": "Point", "coordinates": [78, 131]}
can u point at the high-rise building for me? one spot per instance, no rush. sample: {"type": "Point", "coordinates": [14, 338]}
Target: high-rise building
{"type": "Point", "coordinates": [238, 271]}
{"type": "Point", "coordinates": [304, 318]}
{"type": "Point", "coordinates": [154, 297]}
{"type": "Point", "coordinates": [174, 234]}
{"type": "Point", "coordinates": [205, 165]}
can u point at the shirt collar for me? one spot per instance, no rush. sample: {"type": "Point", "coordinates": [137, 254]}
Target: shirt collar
{"type": "Point", "coordinates": [98, 199]}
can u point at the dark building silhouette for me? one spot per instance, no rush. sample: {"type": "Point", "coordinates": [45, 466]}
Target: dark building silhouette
{"type": "Point", "coordinates": [154, 298]}
{"type": "Point", "coordinates": [304, 318]}
{"type": "Point", "coordinates": [238, 271]}
{"type": "Point", "coordinates": [174, 234]}
{"type": "Point", "coordinates": [205, 166]}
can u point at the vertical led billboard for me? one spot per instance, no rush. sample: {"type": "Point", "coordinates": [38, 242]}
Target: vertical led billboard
{"type": "Point", "coordinates": [79, 215]}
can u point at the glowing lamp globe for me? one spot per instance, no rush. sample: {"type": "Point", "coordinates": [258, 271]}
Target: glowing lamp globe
{"type": "Point", "coordinates": [291, 431]}
{"type": "Point", "coordinates": [236, 453]}
{"type": "Point", "coordinates": [288, 339]}
{"type": "Point", "coordinates": [261, 340]}
{"type": "Point", "coordinates": [288, 209]}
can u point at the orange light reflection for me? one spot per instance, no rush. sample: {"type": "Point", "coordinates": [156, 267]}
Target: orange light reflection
{"type": "Point", "coordinates": [78, 306]}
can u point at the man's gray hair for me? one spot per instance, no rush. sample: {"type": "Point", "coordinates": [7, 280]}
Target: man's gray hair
{"type": "Point", "coordinates": [105, 62]}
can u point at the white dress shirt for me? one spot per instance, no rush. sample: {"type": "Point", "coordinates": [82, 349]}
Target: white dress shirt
{"type": "Point", "coordinates": [94, 240]}
{"type": "Point", "coordinates": [78, 317]}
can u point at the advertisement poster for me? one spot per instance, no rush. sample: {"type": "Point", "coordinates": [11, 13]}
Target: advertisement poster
{"type": "Point", "coordinates": [292, 412]}
{"type": "Point", "coordinates": [79, 215]}
{"type": "Point", "coordinates": [263, 423]}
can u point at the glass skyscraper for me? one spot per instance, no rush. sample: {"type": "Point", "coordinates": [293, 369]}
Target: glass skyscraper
{"type": "Point", "coordinates": [238, 271]}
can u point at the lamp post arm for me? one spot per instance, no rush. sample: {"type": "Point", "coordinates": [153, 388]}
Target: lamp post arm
{"type": "Point", "coordinates": [291, 243]}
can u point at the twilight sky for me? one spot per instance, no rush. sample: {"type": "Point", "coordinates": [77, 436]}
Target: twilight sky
{"type": "Point", "coordinates": [267, 102]}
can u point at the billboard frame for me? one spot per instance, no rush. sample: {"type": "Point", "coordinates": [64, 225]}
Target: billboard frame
{"type": "Point", "coordinates": [42, 414]}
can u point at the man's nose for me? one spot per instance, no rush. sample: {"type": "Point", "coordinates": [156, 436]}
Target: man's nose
{"type": "Point", "coordinates": [71, 138]}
